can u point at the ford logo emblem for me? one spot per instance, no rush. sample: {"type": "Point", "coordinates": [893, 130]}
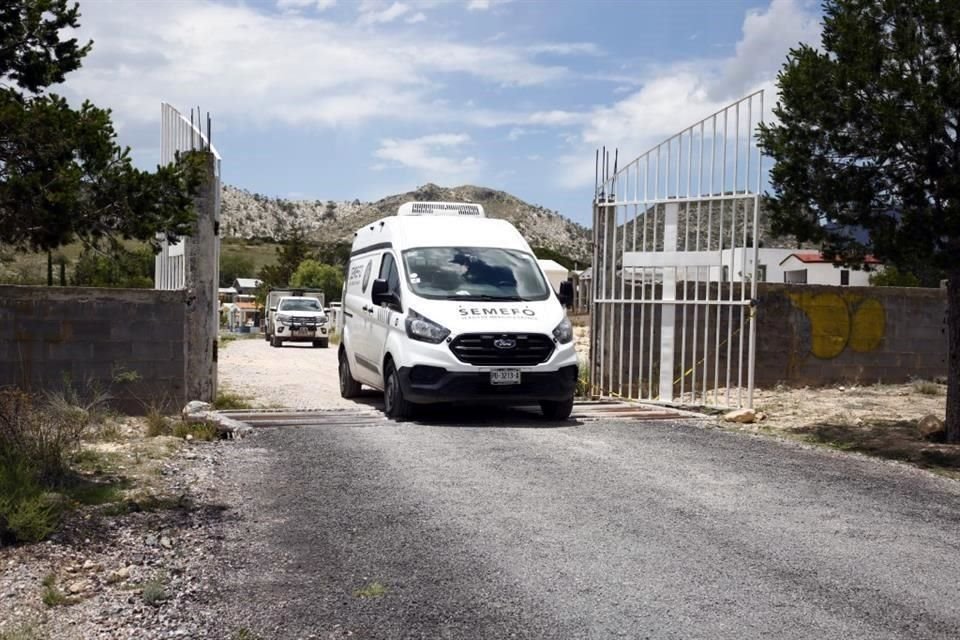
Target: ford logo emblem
{"type": "Point", "coordinates": [504, 343]}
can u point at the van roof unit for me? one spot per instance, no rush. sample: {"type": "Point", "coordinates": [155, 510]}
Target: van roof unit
{"type": "Point", "coordinates": [441, 209]}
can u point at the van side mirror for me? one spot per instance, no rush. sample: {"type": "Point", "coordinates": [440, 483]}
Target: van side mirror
{"type": "Point", "coordinates": [381, 294]}
{"type": "Point", "coordinates": [566, 293]}
{"type": "Point", "coordinates": [273, 308]}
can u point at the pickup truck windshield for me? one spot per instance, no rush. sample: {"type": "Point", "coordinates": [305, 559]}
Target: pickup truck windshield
{"type": "Point", "coordinates": [474, 273]}
{"type": "Point", "coordinates": [302, 304]}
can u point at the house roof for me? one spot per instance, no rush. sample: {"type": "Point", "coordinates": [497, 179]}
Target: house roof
{"type": "Point", "coordinates": [551, 265]}
{"type": "Point", "coordinates": [226, 290]}
{"type": "Point", "coordinates": [816, 257]}
{"type": "Point", "coordinates": [246, 306]}
{"type": "Point", "coordinates": [248, 283]}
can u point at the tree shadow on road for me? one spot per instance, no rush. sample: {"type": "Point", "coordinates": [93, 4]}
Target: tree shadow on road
{"type": "Point", "coordinates": [893, 439]}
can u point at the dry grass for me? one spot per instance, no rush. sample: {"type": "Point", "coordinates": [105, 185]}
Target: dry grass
{"type": "Point", "coordinates": [879, 420]}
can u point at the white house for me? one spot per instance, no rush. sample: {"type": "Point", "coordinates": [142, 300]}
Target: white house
{"type": "Point", "coordinates": [811, 267]}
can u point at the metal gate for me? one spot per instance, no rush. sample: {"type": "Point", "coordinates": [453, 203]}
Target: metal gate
{"type": "Point", "coordinates": [676, 238]}
{"type": "Point", "coordinates": [179, 135]}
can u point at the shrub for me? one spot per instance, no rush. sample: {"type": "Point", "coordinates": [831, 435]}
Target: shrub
{"type": "Point", "coordinates": [27, 512]}
{"type": "Point", "coordinates": [46, 436]}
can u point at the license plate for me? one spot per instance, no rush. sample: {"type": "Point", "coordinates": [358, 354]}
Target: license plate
{"type": "Point", "coordinates": [505, 376]}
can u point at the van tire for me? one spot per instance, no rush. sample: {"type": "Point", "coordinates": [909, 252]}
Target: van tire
{"type": "Point", "coordinates": [323, 344]}
{"type": "Point", "coordinates": [349, 388]}
{"type": "Point", "coordinates": [394, 404]}
{"type": "Point", "coordinates": [557, 409]}
{"type": "Point", "coordinates": [275, 341]}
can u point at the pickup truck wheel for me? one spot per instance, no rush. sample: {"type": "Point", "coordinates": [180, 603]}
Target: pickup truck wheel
{"type": "Point", "coordinates": [276, 342]}
{"type": "Point", "coordinates": [556, 409]}
{"type": "Point", "coordinates": [323, 343]}
{"type": "Point", "coordinates": [349, 388]}
{"type": "Point", "coordinates": [394, 404]}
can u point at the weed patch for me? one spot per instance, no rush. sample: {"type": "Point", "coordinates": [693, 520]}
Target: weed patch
{"type": "Point", "coordinates": [242, 634]}
{"type": "Point", "coordinates": [205, 431]}
{"type": "Point", "coordinates": [927, 388]}
{"type": "Point", "coordinates": [155, 592]}
{"type": "Point", "coordinates": [372, 590]}
{"type": "Point", "coordinates": [52, 596]}
{"type": "Point", "coordinates": [228, 400]}
{"type": "Point", "coordinates": [23, 632]}
{"type": "Point", "coordinates": [157, 424]}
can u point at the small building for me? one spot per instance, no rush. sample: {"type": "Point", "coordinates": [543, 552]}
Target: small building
{"type": "Point", "coordinates": [555, 272]}
{"type": "Point", "coordinates": [811, 267]}
{"type": "Point", "coordinates": [247, 286]}
{"type": "Point", "coordinates": [227, 294]}
{"type": "Point", "coordinates": [240, 316]}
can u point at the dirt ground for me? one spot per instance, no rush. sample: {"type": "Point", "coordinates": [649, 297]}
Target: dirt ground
{"type": "Point", "coordinates": [294, 376]}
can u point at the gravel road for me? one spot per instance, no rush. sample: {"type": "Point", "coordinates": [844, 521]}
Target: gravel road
{"type": "Point", "coordinates": [599, 530]}
{"type": "Point", "coordinates": [294, 376]}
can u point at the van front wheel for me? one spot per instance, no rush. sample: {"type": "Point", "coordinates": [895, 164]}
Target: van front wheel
{"type": "Point", "coordinates": [349, 388]}
{"type": "Point", "coordinates": [557, 409]}
{"type": "Point", "coordinates": [394, 404]}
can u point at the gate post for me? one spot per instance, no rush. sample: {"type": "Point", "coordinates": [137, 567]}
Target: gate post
{"type": "Point", "coordinates": [202, 318]}
{"type": "Point", "coordinates": [668, 313]}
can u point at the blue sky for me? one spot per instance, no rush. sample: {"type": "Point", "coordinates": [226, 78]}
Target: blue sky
{"type": "Point", "coordinates": [341, 99]}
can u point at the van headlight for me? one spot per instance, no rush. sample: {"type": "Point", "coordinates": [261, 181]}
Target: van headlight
{"type": "Point", "coordinates": [424, 329]}
{"type": "Point", "coordinates": [563, 332]}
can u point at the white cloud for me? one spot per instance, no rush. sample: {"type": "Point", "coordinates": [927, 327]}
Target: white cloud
{"type": "Point", "coordinates": [383, 16]}
{"type": "Point", "coordinates": [297, 5]}
{"type": "Point", "coordinates": [303, 70]}
{"type": "Point", "coordinates": [675, 97]}
{"type": "Point", "coordinates": [516, 133]}
{"type": "Point", "coordinates": [432, 155]}
{"type": "Point", "coordinates": [484, 5]}
{"type": "Point", "coordinates": [419, 16]}
{"type": "Point", "coordinates": [767, 36]}
{"type": "Point", "coordinates": [565, 48]}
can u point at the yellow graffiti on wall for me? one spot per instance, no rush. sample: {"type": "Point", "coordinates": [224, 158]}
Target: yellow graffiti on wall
{"type": "Point", "coordinates": [838, 321]}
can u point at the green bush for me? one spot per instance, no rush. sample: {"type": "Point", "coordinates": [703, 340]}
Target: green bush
{"type": "Point", "coordinates": [28, 513]}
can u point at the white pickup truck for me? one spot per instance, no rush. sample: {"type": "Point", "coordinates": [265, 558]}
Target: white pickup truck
{"type": "Point", "coordinates": [300, 319]}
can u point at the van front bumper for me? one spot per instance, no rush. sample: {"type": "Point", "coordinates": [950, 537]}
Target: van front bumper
{"type": "Point", "coordinates": [433, 385]}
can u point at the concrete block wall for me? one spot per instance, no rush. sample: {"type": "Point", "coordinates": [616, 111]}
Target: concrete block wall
{"type": "Point", "coordinates": [818, 335]}
{"type": "Point", "coordinates": [130, 342]}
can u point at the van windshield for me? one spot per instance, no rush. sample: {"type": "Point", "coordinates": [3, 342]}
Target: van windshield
{"type": "Point", "coordinates": [300, 304]}
{"type": "Point", "coordinates": [474, 273]}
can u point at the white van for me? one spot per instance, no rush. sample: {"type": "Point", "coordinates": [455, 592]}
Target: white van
{"type": "Point", "coordinates": [441, 304]}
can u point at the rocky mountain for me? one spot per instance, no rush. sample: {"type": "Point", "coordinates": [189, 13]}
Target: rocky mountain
{"type": "Point", "coordinates": [251, 215]}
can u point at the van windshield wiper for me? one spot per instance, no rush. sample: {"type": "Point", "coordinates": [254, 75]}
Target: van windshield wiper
{"type": "Point", "coordinates": [486, 298]}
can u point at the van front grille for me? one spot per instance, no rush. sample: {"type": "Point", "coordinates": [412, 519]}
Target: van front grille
{"type": "Point", "coordinates": [494, 349]}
